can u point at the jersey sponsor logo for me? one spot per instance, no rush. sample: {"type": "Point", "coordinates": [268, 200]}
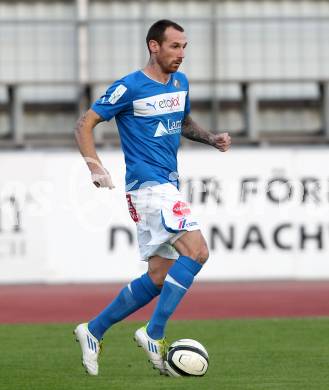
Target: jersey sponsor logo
{"type": "Point", "coordinates": [177, 83]}
{"type": "Point", "coordinates": [181, 208]}
{"type": "Point", "coordinates": [151, 105]}
{"type": "Point", "coordinates": [169, 103]}
{"type": "Point", "coordinates": [115, 95]}
{"type": "Point", "coordinates": [173, 127]}
{"type": "Point", "coordinates": [165, 103]}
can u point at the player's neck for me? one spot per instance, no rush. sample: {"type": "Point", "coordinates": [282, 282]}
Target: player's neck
{"type": "Point", "coordinates": [153, 71]}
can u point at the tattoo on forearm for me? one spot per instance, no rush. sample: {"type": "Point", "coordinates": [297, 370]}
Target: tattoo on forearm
{"type": "Point", "coordinates": [194, 132]}
{"type": "Point", "coordinates": [80, 123]}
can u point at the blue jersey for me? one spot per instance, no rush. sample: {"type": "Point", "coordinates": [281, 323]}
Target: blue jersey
{"type": "Point", "coordinates": [149, 117]}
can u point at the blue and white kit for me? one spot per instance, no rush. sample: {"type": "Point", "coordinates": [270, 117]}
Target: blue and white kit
{"type": "Point", "coordinates": [149, 116]}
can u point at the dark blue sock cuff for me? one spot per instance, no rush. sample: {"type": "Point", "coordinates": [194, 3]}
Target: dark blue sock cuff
{"type": "Point", "coordinates": [183, 270]}
{"type": "Point", "coordinates": [143, 289]}
{"type": "Point", "coordinates": [193, 266]}
{"type": "Point", "coordinates": [148, 284]}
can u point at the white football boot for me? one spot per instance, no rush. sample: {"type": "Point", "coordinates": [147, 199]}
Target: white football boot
{"type": "Point", "coordinates": [90, 348]}
{"type": "Point", "coordinates": [155, 349]}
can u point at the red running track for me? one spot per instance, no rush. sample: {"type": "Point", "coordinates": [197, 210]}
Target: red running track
{"type": "Point", "coordinates": [76, 303]}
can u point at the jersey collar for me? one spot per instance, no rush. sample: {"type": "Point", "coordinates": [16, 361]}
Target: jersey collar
{"type": "Point", "coordinates": [156, 81]}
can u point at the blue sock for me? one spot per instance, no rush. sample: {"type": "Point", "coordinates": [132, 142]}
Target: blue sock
{"type": "Point", "coordinates": [131, 298]}
{"type": "Point", "coordinates": [178, 280]}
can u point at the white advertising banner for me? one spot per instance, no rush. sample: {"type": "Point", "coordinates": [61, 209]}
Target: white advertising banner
{"type": "Point", "coordinates": [263, 212]}
{"type": "Point", "coordinates": [23, 238]}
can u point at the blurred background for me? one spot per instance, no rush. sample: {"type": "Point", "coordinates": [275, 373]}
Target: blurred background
{"type": "Point", "coordinates": [259, 69]}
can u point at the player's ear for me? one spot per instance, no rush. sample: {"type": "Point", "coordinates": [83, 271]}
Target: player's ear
{"type": "Point", "coordinates": [154, 46]}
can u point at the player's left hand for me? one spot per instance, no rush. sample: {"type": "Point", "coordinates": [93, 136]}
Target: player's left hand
{"type": "Point", "coordinates": [222, 141]}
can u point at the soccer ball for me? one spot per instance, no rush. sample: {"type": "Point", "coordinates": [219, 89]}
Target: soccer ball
{"type": "Point", "coordinates": [187, 357]}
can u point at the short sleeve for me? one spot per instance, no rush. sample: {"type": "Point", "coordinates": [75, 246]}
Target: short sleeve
{"type": "Point", "coordinates": [187, 104]}
{"type": "Point", "coordinates": [186, 87]}
{"type": "Point", "coordinates": [116, 99]}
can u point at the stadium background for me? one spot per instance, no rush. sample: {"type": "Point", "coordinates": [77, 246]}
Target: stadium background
{"type": "Point", "coordinates": [259, 69]}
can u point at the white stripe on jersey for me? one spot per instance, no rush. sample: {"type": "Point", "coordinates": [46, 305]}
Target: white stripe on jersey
{"type": "Point", "coordinates": [165, 103]}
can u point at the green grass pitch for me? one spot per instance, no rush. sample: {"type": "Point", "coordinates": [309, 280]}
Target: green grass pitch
{"type": "Point", "coordinates": [275, 354]}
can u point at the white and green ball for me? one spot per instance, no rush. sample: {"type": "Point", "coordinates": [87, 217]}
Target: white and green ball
{"type": "Point", "coordinates": [187, 357]}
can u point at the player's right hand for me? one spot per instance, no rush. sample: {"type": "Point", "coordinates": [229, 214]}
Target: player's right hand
{"type": "Point", "coordinates": [102, 178]}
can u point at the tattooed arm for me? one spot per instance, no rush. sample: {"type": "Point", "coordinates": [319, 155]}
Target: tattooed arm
{"type": "Point", "coordinates": [194, 132]}
{"type": "Point", "coordinates": [86, 143]}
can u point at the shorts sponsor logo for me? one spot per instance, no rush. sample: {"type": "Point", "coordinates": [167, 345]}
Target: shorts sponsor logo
{"type": "Point", "coordinates": [132, 211]}
{"type": "Point", "coordinates": [183, 224]}
{"type": "Point", "coordinates": [181, 208]}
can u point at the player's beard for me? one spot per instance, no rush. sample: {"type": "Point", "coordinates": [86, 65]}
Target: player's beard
{"type": "Point", "coordinates": [169, 67]}
{"type": "Point", "coordinates": [174, 66]}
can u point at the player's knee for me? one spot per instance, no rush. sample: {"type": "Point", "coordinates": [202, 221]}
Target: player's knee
{"type": "Point", "coordinates": [200, 254]}
{"type": "Point", "coordinates": [157, 278]}
{"type": "Point", "coordinates": [193, 245]}
{"type": "Point", "coordinates": [158, 269]}
{"type": "Point", "coordinates": [203, 254]}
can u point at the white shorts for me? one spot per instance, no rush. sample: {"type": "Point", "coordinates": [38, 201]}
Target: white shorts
{"type": "Point", "coordinates": [162, 216]}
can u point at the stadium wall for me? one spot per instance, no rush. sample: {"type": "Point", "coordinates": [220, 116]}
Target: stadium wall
{"type": "Point", "coordinates": [264, 214]}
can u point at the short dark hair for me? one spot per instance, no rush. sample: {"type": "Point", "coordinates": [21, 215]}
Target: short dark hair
{"type": "Point", "coordinates": [157, 30]}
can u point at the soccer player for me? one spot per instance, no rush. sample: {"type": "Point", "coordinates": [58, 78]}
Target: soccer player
{"type": "Point", "coordinates": [152, 110]}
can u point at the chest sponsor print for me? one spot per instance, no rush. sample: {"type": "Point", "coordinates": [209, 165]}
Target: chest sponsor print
{"type": "Point", "coordinates": [165, 103]}
{"type": "Point", "coordinates": [173, 127]}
